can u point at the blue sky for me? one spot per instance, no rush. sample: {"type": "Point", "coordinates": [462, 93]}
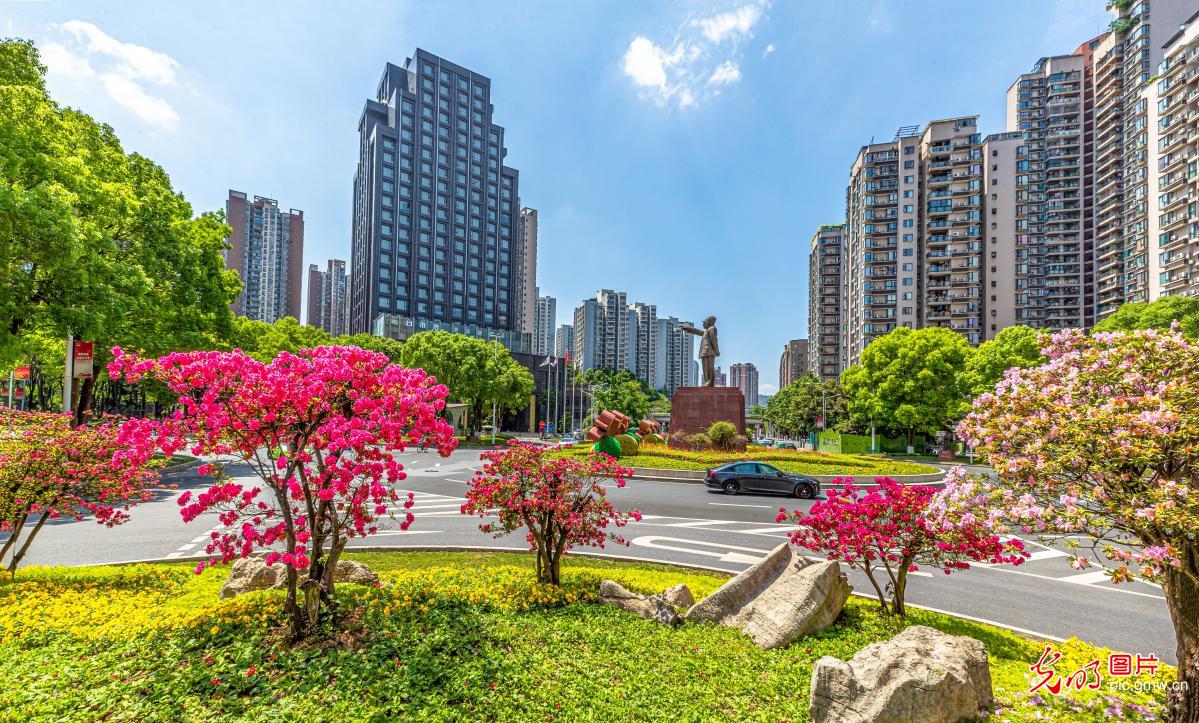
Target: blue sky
{"type": "Point", "coordinates": [681, 151]}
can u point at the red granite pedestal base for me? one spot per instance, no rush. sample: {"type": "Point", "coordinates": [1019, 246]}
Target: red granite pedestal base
{"type": "Point", "coordinates": [693, 409]}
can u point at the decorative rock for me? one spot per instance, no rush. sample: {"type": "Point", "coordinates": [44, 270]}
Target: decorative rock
{"type": "Point", "coordinates": [778, 600]}
{"type": "Point", "coordinates": [252, 573]}
{"type": "Point", "coordinates": [653, 607]}
{"type": "Point", "coordinates": [680, 596]}
{"type": "Point", "coordinates": [921, 675]}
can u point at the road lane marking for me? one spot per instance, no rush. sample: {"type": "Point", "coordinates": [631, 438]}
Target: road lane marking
{"type": "Point", "coordinates": [652, 541]}
{"type": "Point", "coordinates": [1087, 578]}
{"type": "Point", "coordinates": [733, 504]}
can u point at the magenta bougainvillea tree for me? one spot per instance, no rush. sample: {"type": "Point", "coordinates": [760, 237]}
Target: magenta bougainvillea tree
{"type": "Point", "coordinates": [560, 502]}
{"type": "Point", "coordinates": [49, 469]}
{"type": "Point", "coordinates": [319, 428]}
{"type": "Point", "coordinates": [897, 528]}
{"type": "Point", "coordinates": [1101, 444]}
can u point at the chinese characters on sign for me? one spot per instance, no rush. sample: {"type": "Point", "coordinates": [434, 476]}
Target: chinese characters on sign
{"type": "Point", "coordinates": [83, 359]}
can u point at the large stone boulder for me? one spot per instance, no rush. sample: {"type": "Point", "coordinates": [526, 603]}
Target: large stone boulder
{"type": "Point", "coordinates": [679, 596]}
{"type": "Point", "coordinates": [778, 600]}
{"type": "Point", "coordinates": [252, 573]}
{"type": "Point", "coordinates": [920, 675]}
{"type": "Point", "coordinates": [654, 607]}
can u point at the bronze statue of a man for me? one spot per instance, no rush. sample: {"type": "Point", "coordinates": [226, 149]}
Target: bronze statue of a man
{"type": "Point", "coordinates": [708, 349]}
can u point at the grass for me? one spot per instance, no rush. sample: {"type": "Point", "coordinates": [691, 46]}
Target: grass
{"type": "Point", "coordinates": [484, 440]}
{"type": "Point", "coordinates": [452, 636]}
{"type": "Point", "coordinates": [792, 461]}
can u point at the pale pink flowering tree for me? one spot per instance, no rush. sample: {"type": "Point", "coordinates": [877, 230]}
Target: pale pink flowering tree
{"type": "Point", "coordinates": [559, 501]}
{"type": "Point", "coordinates": [897, 528]}
{"type": "Point", "coordinates": [48, 469]}
{"type": "Point", "coordinates": [1103, 441]}
{"type": "Point", "coordinates": [320, 429]}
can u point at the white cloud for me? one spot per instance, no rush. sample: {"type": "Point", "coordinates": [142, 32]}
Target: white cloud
{"type": "Point", "coordinates": [732, 23]}
{"type": "Point", "coordinates": [725, 73]}
{"type": "Point", "coordinates": [769, 49]}
{"type": "Point", "coordinates": [123, 69]}
{"type": "Point", "coordinates": [702, 57]}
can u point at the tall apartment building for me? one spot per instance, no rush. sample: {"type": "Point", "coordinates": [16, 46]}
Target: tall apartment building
{"type": "Point", "coordinates": [1125, 134]}
{"type": "Point", "coordinates": [675, 355]}
{"type": "Point", "coordinates": [601, 331]}
{"type": "Point", "coordinates": [744, 376]}
{"type": "Point", "coordinates": [793, 363]}
{"type": "Point", "coordinates": [328, 297]}
{"type": "Point", "coordinates": [824, 302]}
{"type": "Point", "coordinates": [266, 249]}
{"type": "Point", "coordinates": [1174, 166]}
{"type": "Point", "coordinates": [544, 320]}
{"type": "Point", "coordinates": [436, 219]}
{"type": "Point", "coordinates": [721, 379]}
{"type": "Point", "coordinates": [951, 268]}
{"type": "Point", "coordinates": [564, 340]}
{"type": "Point", "coordinates": [1003, 154]}
{"type": "Point", "coordinates": [1051, 229]}
{"type": "Point", "coordinates": [645, 341]}
{"type": "Point", "coordinates": [912, 247]}
{"type": "Point", "coordinates": [526, 277]}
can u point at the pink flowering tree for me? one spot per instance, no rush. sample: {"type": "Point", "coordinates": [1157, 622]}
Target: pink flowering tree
{"type": "Point", "coordinates": [50, 469]}
{"type": "Point", "coordinates": [895, 529]}
{"type": "Point", "coordinates": [319, 428]}
{"type": "Point", "coordinates": [560, 502]}
{"type": "Point", "coordinates": [1102, 441]}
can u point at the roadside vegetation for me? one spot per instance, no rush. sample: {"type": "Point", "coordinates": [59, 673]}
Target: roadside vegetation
{"type": "Point", "coordinates": [449, 636]}
{"type": "Point", "coordinates": [792, 461]}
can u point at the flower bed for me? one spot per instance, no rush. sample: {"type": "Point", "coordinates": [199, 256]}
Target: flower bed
{"type": "Point", "coordinates": [452, 636]}
{"type": "Point", "coordinates": [795, 462]}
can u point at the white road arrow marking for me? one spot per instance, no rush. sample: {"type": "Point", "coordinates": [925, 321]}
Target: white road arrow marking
{"type": "Point", "coordinates": [730, 554]}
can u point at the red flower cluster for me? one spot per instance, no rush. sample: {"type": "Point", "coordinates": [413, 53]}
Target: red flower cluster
{"type": "Point", "coordinates": [49, 468]}
{"type": "Point", "coordinates": [893, 527]}
{"type": "Point", "coordinates": [319, 428]}
{"type": "Point", "coordinates": [560, 502]}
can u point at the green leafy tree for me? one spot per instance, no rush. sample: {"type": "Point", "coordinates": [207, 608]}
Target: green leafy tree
{"type": "Point", "coordinates": [93, 241]}
{"type": "Point", "coordinates": [620, 391]}
{"type": "Point", "coordinates": [385, 346]}
{"type": "Point", "coordinates": [476, 372]}
{"type": "Point", "coordinates": [798, 406]}
{"type": "Point", "coordinates": [1015, 346]}
{"type": "Point", "coordinates": [264, 341]}
{"type": "Point", "coordinates": [910, 381]}
{"type": "Point", "coordinates": [1159, 315]}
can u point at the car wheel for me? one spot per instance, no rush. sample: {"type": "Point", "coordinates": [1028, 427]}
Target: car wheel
{"type": "Point", "coordinates": [804, 492]}
{"type": "Point", "coordinates": [731, 487]}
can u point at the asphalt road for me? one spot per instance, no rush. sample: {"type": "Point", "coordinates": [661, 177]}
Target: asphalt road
{"type": "Point", "coordinates": [682, 523]}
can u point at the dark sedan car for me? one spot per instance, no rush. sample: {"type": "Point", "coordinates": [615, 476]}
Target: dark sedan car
{"type": "Point", "coordinates": [757, 477]}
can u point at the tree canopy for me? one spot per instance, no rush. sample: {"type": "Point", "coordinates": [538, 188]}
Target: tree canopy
{"type": "Point", "coordinates": [910, 381]}
{"type": "Point", "coordinates": [796, 407]}
{"type": "Point", "coordinates": [1015, 346]}
{"type": "Point", "coordinates": [1157, 315]}
{"type": "Point", "coordinates": [621, 391]}
{"type": "Point", "coordinates": [476, 372]}
{"type": "Point", "coordinates": [94, 241]}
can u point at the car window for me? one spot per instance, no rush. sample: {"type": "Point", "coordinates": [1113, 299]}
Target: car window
{"type": "Point", "coordinates": [745, 468]}
{"type": "Point", "coordinates": [766, 469]}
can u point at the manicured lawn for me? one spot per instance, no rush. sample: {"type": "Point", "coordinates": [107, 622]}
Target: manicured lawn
{"type": "Point", "coordinates": [796, 462]}
{"type": "Point", "coordinates": [453, 636]}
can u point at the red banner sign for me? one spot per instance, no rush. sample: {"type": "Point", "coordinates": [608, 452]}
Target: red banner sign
{"type": "Point", "coordinates": [83, 359]}
{"type": "Point", "coordinates": [21, 372]}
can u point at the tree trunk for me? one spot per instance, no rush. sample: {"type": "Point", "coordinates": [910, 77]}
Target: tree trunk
{"type": "Point", "coordinates": [901, 585]}
{"type": "Point", "coordinates": [16, 558]}
{"type": "Point", "coordinates": [87, 394]}
{"type": "Point", "coordinates": [1182, 598]}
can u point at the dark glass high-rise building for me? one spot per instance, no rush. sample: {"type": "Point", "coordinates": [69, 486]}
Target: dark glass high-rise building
{"type": "Point", "coordinates": [436, 211]}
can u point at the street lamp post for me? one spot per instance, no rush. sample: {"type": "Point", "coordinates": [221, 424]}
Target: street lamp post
{"type": "Point", "coordinates": [495, 351]}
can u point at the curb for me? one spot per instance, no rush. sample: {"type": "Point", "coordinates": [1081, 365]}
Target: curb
{"type": "Point", "coordinates": [1033, 634]}
{"type": "Point", "coordinates": [180, 468]}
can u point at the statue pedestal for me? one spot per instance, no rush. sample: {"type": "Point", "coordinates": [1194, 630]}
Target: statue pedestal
{"type": "Point", "coordinates": [693, 409]}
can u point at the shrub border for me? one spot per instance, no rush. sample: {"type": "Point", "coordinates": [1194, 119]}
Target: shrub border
{"type": "Point", "coordinates": [693, 476]}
